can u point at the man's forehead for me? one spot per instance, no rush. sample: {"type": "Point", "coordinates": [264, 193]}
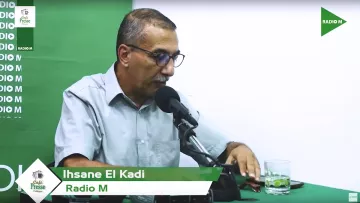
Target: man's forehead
{"type": "Point", "coordinates": [164, 48]}
{"type": "Point", "coordinates": [160, 39]}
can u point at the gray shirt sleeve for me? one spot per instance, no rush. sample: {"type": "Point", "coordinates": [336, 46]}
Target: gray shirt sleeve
{"type": "Point", "coordinates": [77, 131]}
{"type": "Point", "coordinates": [212, 139]}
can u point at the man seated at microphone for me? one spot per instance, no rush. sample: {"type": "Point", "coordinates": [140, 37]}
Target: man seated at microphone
{"type": "Point", "coordinates": [111, 119]}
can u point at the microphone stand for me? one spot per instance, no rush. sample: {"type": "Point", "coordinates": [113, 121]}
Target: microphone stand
{"type": "Point", "coordinates": [225, 189]}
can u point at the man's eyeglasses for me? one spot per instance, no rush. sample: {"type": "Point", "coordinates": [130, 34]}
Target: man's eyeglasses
{"type": "Point", "coordinates": [161, 57]}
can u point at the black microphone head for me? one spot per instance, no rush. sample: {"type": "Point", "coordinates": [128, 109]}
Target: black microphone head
{"type": "Point", "coordinates": [163, 96]}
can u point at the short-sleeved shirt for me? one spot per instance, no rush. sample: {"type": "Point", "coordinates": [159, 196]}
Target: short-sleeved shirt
{"type": "Point", "coordinates": [100, 122]}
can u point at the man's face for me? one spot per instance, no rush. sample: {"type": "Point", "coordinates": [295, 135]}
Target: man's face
{"type": "Point", "coordinates": [146, 73]}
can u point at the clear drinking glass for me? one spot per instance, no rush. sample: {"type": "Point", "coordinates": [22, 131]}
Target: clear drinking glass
{"type": "Point", "coordinates": [277, 177]}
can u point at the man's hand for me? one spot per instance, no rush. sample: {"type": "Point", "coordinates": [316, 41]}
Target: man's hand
{"type": "Point", "coordinates": [78, 160]}
{"type": "Point", "coordinates": [246, 159]}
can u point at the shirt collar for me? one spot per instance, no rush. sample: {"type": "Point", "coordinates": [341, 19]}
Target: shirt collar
{"type": "Point", "coordinates": [113, 89]}
{"type": "Point", "coordinates": [112, 86]}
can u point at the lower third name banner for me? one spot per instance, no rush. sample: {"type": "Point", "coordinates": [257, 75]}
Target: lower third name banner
{"type": "Point", "coordinates": [132, 188]}
{"type": "Point", "coordinates": [39, 182]}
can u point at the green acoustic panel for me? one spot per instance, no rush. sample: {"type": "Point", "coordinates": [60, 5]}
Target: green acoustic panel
{"type": "Point", "coordinates": [71, 39]}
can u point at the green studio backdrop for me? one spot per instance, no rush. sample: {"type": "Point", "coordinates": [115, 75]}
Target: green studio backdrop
{"type": "Point", "coordinates": [71, 39]}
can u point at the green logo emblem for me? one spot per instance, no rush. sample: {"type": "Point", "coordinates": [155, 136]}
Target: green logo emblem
{"type": "Point", "coordinates": [329, 21]}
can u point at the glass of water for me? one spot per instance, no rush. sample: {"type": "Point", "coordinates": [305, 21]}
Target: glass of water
{"type": "Point", "coordinates": [277, 177]}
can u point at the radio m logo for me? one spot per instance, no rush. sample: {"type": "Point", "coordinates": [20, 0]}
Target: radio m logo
{"type": "Point", "coordinates": [329, 21]}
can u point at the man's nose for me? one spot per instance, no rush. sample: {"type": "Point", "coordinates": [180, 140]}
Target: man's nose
{"type": "Point", "coordinates": [168, 70]}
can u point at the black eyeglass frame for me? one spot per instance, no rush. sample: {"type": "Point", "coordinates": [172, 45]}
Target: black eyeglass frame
{"type": "Point", "coordinates": [155, 55]}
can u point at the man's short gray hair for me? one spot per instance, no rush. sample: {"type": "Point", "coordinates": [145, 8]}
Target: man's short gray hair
{"type": "Point", "coordinates": [133, 24]}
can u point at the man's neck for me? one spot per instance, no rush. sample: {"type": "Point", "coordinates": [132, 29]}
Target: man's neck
{"type": "Point", "coordinates": [128, 88]}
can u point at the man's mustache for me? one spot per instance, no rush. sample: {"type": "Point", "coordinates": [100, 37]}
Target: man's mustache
{"type": "Point", "coordinates": [161, 79]}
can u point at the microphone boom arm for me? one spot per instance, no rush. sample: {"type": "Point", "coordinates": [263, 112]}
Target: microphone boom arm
{"type": "Point", "coordinates": [226, 188]}
{"type": "Point", "coordinates": [191, 146]}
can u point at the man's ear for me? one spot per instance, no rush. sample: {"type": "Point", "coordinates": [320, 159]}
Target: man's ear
{"type": "Point", "coordinates": [124, 55]}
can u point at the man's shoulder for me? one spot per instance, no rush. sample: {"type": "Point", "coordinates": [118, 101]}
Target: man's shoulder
{"type": "Point", "coordinates": [89, 88]}
{"type": "Point", "coordinates": [92, 82]}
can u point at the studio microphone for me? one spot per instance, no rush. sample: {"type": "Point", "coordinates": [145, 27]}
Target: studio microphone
{"type": "Point", "coordinates": [168, 100]}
